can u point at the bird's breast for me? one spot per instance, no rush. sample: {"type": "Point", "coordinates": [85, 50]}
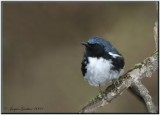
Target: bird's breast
{"type": "Point", "coordinates": [99, 71]}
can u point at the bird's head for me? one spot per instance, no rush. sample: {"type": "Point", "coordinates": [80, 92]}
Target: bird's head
{"type": "Point", "coordinates": [94, 47]}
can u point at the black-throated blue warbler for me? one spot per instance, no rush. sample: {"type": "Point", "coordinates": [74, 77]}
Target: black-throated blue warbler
{"type": "Point", "coordinates": [101, 62]}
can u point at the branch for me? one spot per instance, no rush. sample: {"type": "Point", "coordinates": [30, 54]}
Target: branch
{"type": "Point", "coordinates": [155, 31]}
{"type": "Point", "coordinates": [139, 71]}
{"type": "Point", "coordinates": [144, 93]}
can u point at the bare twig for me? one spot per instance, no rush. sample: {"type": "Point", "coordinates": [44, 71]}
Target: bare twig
{"type": "Point", "coordinates": [141, 70]}
{"type": "Point", "coordinates": [155, 31]}
{"type": "Point", "coordinates": [144, 93]}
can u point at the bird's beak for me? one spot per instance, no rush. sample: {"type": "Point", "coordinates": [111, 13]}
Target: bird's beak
{"type": "Point", "coordinates": [84, 43]}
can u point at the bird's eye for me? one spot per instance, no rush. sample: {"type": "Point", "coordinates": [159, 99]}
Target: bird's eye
{"type": "Point", "coordinates": [91, 45]}
{"type": "Point", "coordinates": [94, 46]}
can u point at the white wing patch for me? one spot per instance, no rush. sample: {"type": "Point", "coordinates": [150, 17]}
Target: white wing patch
{"type": "Point", "coordinates": [114, 55]}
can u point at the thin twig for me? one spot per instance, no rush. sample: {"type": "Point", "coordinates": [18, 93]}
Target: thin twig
{"type": "Point", "coordinates": [144, 93]}
{"type": "Point", "coordinates": [136, 93]}
{"type": "Point", "coordinates": [155, 31]}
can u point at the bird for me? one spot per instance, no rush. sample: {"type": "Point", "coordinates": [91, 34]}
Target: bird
{"type": "Point", "coordinates": [101, 62]}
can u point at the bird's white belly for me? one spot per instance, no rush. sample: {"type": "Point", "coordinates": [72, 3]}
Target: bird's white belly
{"type": "Point", "coordinates": [99, 71]}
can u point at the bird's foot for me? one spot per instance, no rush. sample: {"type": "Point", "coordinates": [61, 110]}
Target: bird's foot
{"type": "Point", "coordinates": [116, 83]}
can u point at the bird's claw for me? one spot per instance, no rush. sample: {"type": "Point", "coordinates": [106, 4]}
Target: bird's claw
{"type": "Point", "coordinates": [116, 83]}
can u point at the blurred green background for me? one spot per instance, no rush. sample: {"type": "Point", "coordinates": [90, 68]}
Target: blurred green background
{"type": "Point", "coordinates": [42, 52]}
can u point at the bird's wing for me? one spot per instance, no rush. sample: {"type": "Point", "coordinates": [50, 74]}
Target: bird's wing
{"type": "Point", "coordinates": [84, 64]}
{"type": "Point", "coordinates": [109, 47]}
{"type": "Point", "coordinates": [118, 63]}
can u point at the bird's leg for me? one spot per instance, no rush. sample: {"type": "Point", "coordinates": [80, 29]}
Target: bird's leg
{"type": "Point", "coordinates": [100, 90]}
{"type": "Point", "coordinates": [101, 94]}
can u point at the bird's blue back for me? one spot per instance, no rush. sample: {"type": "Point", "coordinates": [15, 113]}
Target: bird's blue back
{"type": "Point", "coordinates": [107, 45]}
